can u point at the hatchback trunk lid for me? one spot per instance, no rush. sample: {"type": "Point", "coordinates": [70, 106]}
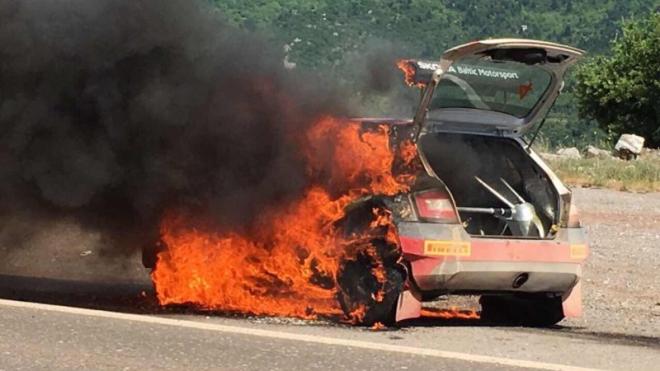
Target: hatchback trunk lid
{"type": "Point", "coordinates": [503, 86]}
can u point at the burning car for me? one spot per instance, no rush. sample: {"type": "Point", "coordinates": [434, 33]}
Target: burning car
{"type": "Point", "coordinates": [485, 216]}
{"type": "Point", "coordinates": [398, 212]}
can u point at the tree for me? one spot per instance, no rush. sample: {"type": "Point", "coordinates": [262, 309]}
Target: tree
{"type": "Point", "coordinates": [622, 91]}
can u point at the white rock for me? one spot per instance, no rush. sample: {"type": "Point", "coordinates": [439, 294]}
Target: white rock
{"type": "Point", "coordinates": [630, 143]}
{"type": "Point", "coordinates": [569, 153]}
{"type": "Point", "coordinates": [592, 152]}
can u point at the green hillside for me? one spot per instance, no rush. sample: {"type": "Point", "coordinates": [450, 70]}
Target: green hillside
{"type": "Point", "coordinates": [324, 30]}
{"type": "Point", "coordinates": [335, 36]}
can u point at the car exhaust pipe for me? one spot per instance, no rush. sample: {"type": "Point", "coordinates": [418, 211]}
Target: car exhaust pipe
{"type": "Point", "coordinates": [520, 280]}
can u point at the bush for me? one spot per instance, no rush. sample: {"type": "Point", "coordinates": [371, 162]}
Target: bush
{"type": "Point", "coordinates": [621, 92]}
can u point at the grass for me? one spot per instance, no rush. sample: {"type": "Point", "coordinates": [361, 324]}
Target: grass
{"type": "Point", "coordinates": [641, 175]}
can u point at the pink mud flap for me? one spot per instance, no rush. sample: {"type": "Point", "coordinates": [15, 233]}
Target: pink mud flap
{"type": "Point", "coordinates": [572, 304]}
{"type": "Point", "coordinates": [408, 306]}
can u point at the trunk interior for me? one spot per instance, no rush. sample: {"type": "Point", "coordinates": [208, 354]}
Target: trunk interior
{"type": "Point", "coordinates": [458, 158]}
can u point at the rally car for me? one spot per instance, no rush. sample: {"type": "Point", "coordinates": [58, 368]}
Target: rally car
{"type": "Point", "coordinates": [487, 216]}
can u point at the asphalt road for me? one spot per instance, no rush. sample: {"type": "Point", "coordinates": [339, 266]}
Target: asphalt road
{"type": "Point", "coordinates": [57, 324]}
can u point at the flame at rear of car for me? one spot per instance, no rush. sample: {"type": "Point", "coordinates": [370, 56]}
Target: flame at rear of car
{"type": "Point", "coordinates": [288, 262]}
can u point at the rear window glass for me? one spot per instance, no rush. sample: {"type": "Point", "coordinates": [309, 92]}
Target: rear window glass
{"type": "Point", "coordinates": [504, 86]}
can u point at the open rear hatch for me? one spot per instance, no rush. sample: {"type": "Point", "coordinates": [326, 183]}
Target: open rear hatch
{"type": "Point", "coordinates": [502, 86]}
{"type": "Point", "coordinates": [477, 100]}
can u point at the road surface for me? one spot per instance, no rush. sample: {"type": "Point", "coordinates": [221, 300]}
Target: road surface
{"type": "Point", "coordinates": [65, 325]}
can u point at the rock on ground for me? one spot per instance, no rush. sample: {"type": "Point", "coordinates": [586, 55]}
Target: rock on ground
{"type": "Point", "coordinates": [629, 146]}
{"type": "Point", "coordinates": [569, 153]}
{"type": "Point", "coordinates": [593, 152]}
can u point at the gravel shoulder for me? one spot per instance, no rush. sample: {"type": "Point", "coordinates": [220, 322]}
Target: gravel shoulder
{"type": "Point", "coordinates": [621, 285]}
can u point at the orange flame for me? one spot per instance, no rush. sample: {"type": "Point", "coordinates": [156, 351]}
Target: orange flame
{"type": "Point", "coordinates": [408, 68]}
{"type": "Point", "coordinates": [408, 71]}
{"type": "Point", "coordinates": [378, 326]}
{"type": "Point", "coordinates": [288, 266]}
{"type": "Point", "coordinates": [452, 313]}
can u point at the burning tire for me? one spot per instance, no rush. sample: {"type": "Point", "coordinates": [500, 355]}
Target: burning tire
{"type": "Point", "coordinates": [528, 310]}
{"type": "Point", "coordinates": [370, 278]}
{"type": "Point", "coordinates": [363, 297]}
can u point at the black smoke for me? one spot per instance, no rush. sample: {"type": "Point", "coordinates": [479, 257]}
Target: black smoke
{"type": "Point", "coordinates": [114, 112]}
{"type": "Point", "coordinates": [377, 82]}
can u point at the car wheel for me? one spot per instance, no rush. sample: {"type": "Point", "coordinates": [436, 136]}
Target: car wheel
{"type": "Point", "coordinates": [363, 298]}
{"type": "Point", "coordinates": [521, 310]}
{"type": "Point", "coordinates": [370, 278]}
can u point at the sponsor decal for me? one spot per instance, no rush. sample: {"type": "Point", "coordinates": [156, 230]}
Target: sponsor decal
{"type": "Point", "coordinates": [524, 89]}
{"type": "Point", "coordinates": [464, 69]}
{"type": "Point", "coordinates": [447, 248]}
{"type": "Point", "coordinates": [428, 65]}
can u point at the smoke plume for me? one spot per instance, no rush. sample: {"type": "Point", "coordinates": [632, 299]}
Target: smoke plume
{"type": "Point", "coordinates": [113, 112]}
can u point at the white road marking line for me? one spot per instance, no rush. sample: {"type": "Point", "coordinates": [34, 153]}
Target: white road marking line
{"type": "Point", "coordinates": [292, 336]}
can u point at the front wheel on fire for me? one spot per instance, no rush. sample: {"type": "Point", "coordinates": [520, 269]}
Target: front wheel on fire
{"type": "Point", "coordinates": [370, 278]}
{"type": "Point", "coordinates": [367, 298]}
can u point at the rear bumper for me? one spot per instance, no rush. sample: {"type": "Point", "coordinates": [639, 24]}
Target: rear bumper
{"type": "Point", "coordinates": [481, 277]}
{"type": "Point", "coordinates": [444, 258]}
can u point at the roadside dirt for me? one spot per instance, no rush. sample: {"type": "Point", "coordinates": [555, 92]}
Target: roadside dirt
{"type": "Point", "coordinates": [621, 284]}
{"type": "Point", "coordinates": [63, 250]}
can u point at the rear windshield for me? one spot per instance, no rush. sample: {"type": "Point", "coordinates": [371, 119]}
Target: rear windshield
{"type": "Point", "coordinates": [504, 86]}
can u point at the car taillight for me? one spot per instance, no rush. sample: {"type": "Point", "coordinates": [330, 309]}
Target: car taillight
{"type": "Point", "coordinates": [435, 205]}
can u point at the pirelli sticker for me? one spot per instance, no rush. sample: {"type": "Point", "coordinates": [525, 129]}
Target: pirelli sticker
{"type": "Point", "coordinates": [447, 248]}
{"type": "Point", "coordinates": [578, 251]}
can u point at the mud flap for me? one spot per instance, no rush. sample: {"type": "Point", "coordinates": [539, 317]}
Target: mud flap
{"type": "Point", "coordinates": [408, 306]}
{"type": "Point", "coordinates": [572, 302]}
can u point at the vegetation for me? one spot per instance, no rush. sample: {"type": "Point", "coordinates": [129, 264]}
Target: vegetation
{"type": "Point", "coordinates": [622, 91]}
{"type": "Point", "coordinates": [642, 175]}
{"type": "Point", "coordinates": [328, 35]}
{"type": "Point", "coordinates": [323, 31]}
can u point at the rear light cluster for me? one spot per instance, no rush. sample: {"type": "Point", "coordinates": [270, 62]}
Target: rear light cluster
{"type": "Point", "coordinates": [435, 205]}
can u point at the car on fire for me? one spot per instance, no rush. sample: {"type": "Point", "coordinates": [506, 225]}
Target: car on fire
{"type": "Point", "coordinates": [486, 216]}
